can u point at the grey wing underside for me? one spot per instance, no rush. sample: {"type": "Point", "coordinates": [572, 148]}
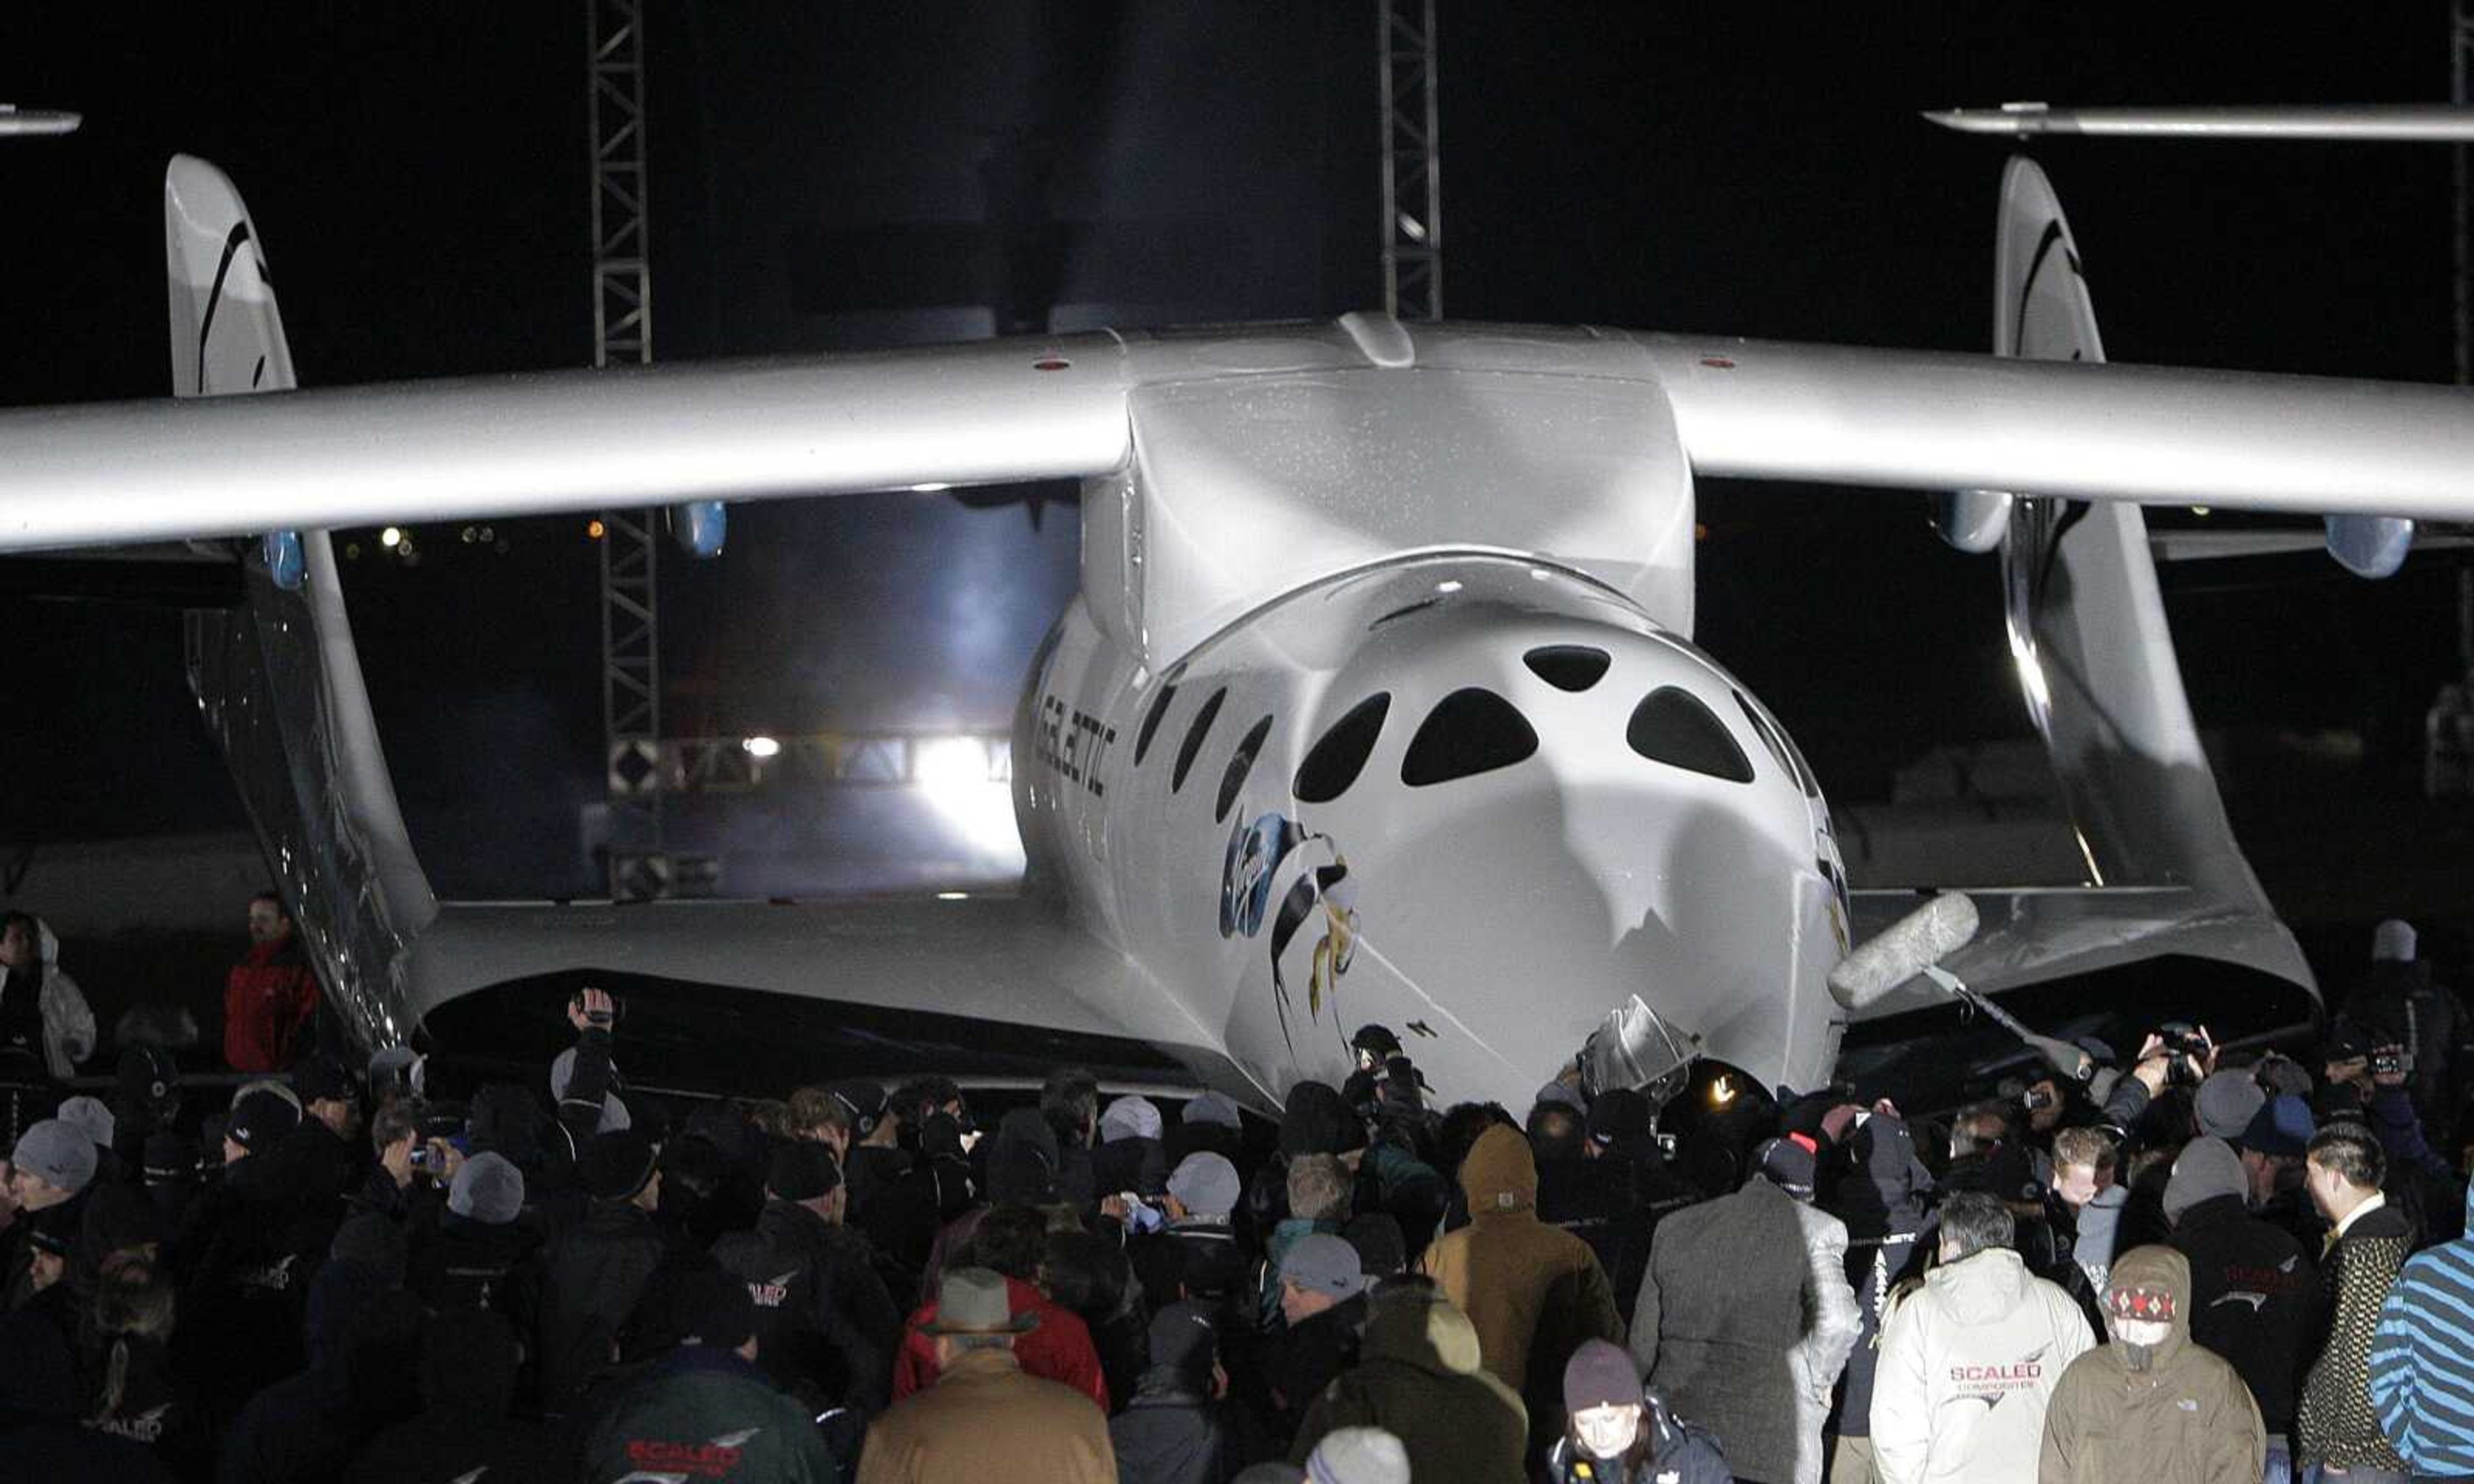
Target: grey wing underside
{"type": "Point", "coordinates": [2038, 934]}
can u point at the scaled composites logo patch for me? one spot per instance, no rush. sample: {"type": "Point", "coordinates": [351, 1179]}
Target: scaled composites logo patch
{"type": "Point", "coordinates": [660, 1461]}
{"type": "Point", "coordinates": [1276, 858]}
{"type": "Point", "coordinates": [1991, 1384]}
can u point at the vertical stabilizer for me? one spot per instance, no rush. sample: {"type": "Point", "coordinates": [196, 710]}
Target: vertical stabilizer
{"type": "Point", "coordinates": [2088, 631]}
{"type": "Point", "coordinates": [280, 680]}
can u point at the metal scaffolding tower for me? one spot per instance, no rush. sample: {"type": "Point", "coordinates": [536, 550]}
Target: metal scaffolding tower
{"type": "Point", "coordinates": [622, 331]}
{"type": "Point", "coordinates": [1413, 189]}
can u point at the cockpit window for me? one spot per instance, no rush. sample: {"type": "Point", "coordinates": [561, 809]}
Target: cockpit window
{"type": "Point", "coordinates": [1469, 731]}
{"type": "Point", "coordinates": [1240, 763]}
{"type": "Point", "coordinates": [1340, 754]}
{"type": "Point", "coordinates": [1671, 726]}
{"type": "Point", "coordinates": [1151, 722]}
{"type": "Point", "coordinates": [1572, 667]}
{"type": "Point", "coordinates": [1196, 731]}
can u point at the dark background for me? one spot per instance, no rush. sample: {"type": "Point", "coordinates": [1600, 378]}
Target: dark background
{"type": "Point", "coordinates": [833, 176]}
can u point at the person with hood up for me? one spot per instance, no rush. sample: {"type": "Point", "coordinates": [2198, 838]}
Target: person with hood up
{"type": "Point", "coordinates": [1534, 1293]}
{"type": "Point", "coordinates": [1418, 1378]}
{"type": "Point", "coordinates": [1174, 1430]}
{"type": "Point", "coordinates": [2422, 1370]}
{"type": "Point", "coordinates": [1746, 1316]}
{"type": "Point", "coordinates": [1131, 1155]}
{"type": "Point", "coordinates": [1621, 1434]}
{"type": "Point", "coordinates": [2253, 1287]}
{"type": "Point", "coordinates": [1970, 1357]}
{"type": "Point", "coordinates": [2151, 1406]}
{"type": "Point", "coordinates": [2397, 1003]}
{"type": "Point", "coordinates": [1882, 1199]}
{"type": "Point", "coordinates": [45, 1025]}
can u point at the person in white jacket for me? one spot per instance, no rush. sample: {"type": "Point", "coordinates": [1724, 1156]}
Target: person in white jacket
{"type": "Point", "coordinates": [1970, 1358]}
{"type": "Point", "coordinates": [39, 1002]}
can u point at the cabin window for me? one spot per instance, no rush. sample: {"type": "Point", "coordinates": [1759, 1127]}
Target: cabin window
{"type": "Point", "coordinates": [1337, 757]}
{"type": "Point", "coordinates": [1572, 667]}
{"type": "Point", "coordinates": [1196, 731]}
{"type": "Point", "coordinates": [1671, 726]}
{"type": "Point", "coordinates": [1151, 722]}
{"type": "Point", "coordinates": [1469, 731]}
{"type": "Point", "coordinates": [1240, 763]}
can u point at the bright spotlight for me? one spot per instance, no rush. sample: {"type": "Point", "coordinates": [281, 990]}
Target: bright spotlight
{"type": "Point", "coordinates": [761, 748]}
{"type": "Point", "coordinates": [391, 538]}
{"type": "Point", "coordinates": [953, 773]}
{"type": "Point", "coordinates": [950, 763]}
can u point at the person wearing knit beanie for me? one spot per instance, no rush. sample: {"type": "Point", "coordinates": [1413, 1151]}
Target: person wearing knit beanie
{"type": "Point", "coordinates": [1358, 1456]}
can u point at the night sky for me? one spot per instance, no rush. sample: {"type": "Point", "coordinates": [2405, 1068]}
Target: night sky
{"type": "Point", "coordinates": [839, 175]}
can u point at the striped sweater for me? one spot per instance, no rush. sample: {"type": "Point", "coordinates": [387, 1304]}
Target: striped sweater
{"type": "Point", "coordinates": [2422, 1361]}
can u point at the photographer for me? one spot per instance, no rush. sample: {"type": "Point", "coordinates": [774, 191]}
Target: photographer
{"type": "Point", "coordinates": [2370, 1083]}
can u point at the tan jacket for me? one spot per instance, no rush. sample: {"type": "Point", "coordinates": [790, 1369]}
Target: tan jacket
{"type": "Point", "coordinates": [1525, 1286]}
{"type": "Point", "coordinates": [985, 1419]}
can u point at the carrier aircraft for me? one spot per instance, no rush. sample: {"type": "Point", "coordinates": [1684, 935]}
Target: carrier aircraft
{"type": "Point", "coordinates": [1377, 702]}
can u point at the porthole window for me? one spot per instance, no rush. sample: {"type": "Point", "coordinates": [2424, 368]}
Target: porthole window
{"type": "Point", "coordinates": [1469, 731]}
{"type": "Point", "coordinates": [1196, 731]}
{"type": "Point", "coordinates": [1672, 727]}
{"type": "Point", "coordinates": [1572, 667]}
{"type": "Point", "coordinates": [1240, 763]}
{"type": "Point", "coordinates": [1151, 722]}
{"type": "Point", "coordinates": [1340, 754]}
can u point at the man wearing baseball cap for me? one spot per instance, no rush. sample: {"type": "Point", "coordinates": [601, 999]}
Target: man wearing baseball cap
{"type": "Point", "coordinates": [984, 1419]}
{"type": "Point", "coordinates": [828, 1325]}
{"type": "Point", "coordinates": [704, 1411]}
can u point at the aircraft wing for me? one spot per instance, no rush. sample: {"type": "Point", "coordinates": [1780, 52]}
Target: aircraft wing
{"type": "Point", "coordinates": [878, 984]}
{"type": "Point", "coordinates": [1060, 407]}
{"type": "Point", "coordinates": [2383, 122]}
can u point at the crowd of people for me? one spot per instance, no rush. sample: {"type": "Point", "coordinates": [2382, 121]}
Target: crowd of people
{"type": "Point", "coordinates": [2199, 1265]}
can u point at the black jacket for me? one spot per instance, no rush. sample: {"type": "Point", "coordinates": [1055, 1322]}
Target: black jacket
{"type": "Point", "coordinates": [1302, 1359]}
{"type": "Point", "coordinates": [591, 1284]}
{"type": "Point", "coordinates": [454, 1262]}
{"type": "Point", "coordinates": [1882, 1199]}
{"type": "Point", "coordinates": [826, 1330]}
{"type": "Point", "coordinates": [1172, 1434]}
{"type": "Point", "coordinates": [2253, 1293]}
{"type": "Point", "coordinates": [446, 1447]}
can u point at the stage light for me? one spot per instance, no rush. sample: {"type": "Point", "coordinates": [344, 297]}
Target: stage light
{"type": "Point", "coordinates": [953, 773]}
{"type": "Point", "coordinates": [594, 530]}
{"type": "Point", "coordinates": [391, 538]}
{"type": "Point", "coordinates": [761, 748]}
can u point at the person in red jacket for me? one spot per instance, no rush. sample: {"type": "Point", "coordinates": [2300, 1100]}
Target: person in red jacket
{"type": "Point", "coordinates": [1058, 1349]}
{"type": "Point", "coordinates": [270, 996]}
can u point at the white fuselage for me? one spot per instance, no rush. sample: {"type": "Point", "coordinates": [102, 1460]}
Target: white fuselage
{"type": "Point", "coordinates": [1543, 801]}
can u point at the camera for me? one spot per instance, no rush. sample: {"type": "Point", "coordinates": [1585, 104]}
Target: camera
{"type": "Point", "coordinates": [2040, 1098]}
{"type": "Point", "coordinates": [2387, 1062]}
{"type": "Point", "coordinates": [2186, 1049]}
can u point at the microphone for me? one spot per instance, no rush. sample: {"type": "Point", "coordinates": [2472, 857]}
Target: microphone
{"type": "Point", "coordinates": [1904, 950]}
